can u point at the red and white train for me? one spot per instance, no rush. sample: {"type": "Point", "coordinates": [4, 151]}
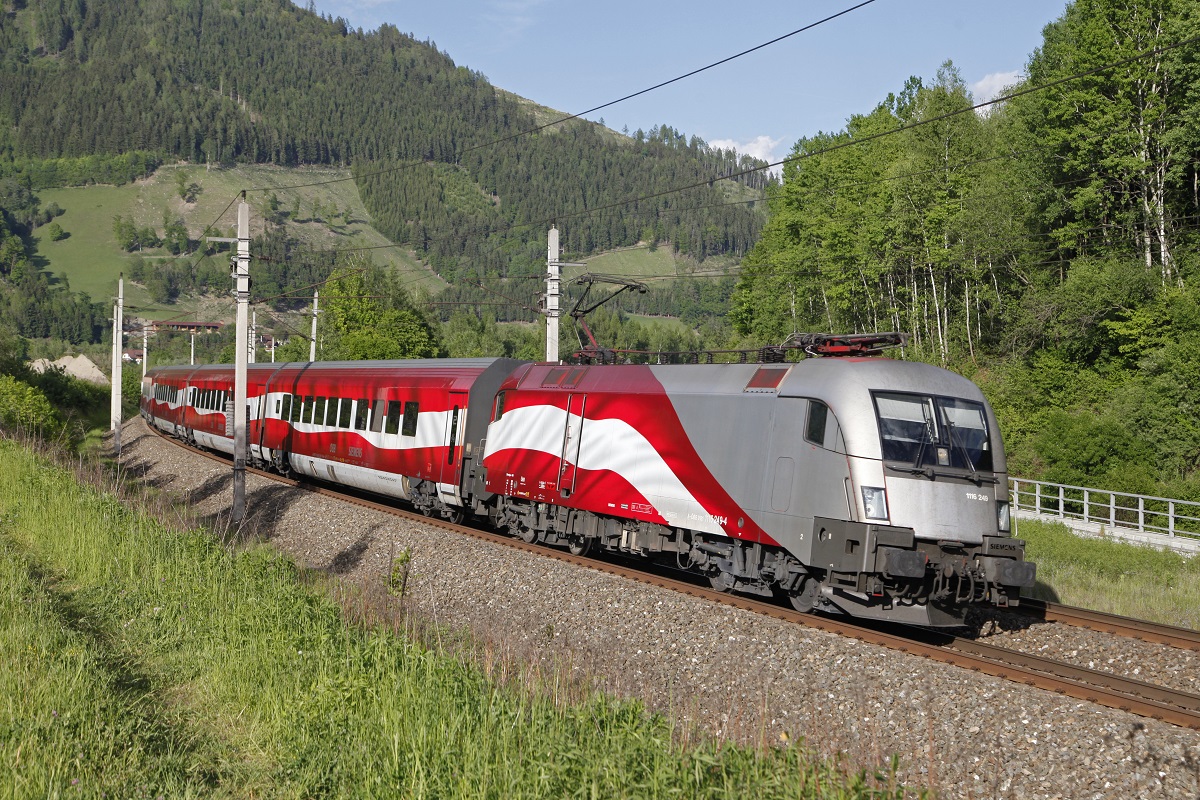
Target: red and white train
{"type": "Point", "coordinates": [867, 486]}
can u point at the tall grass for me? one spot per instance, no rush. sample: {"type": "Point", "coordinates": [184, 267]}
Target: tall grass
{"type": "Point", "coordinates": [1113, 576]}
{"type": "Point", "coordinates": [190, 668]}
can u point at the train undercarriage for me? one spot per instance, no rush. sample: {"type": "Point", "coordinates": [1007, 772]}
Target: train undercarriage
{"type": "Point", "coordinates": [869, 571]}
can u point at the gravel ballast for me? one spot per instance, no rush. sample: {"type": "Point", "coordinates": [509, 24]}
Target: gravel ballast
{"type": "Point", "coordinates": [734, 673]}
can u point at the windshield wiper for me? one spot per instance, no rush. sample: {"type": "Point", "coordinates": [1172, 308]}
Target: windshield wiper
{"type": "Point", "coordinates": [962, 448]}
{"type": "Point", "coordinates": [926, 438]}
{"type": "Point", "coordinates": [931, 473]}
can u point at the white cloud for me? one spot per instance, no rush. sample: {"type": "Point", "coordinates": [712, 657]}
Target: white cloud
{"type": "Point", "coordinates": [989, 87]}
{"type": "Point", "coordinates": [760, 147]}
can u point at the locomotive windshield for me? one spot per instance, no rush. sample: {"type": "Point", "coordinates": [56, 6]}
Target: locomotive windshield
{"type": "Point", "coordinates": [925, 431]}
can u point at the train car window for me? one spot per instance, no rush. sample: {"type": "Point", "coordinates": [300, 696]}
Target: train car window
{"type": "Point", "coordinates": [362, 413]}
{"type": "Point", "coordinates": [308, 409]}
{"type": "Point", "coordinates": [297, 408]}
{"type": "Point", "coordinates": [377, 416]}
{"type": "Point", "coordinates": [499, 410]}
{"type": "Point", "coordinates": [286, 412]}
{"type": "Point", "coordinates": [411, 411]}
{"type": "Point", "coordinates": [344, 412]}
{"type": "Point", "coordinates": [393, 417]}
{"type": "Point", "coordinates": [814, 429]}
{"type": "Point", "coordinates": [318, 411]}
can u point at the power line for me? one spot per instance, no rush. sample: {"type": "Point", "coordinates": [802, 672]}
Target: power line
{"type": "Point", "coordinates": [813, 154]}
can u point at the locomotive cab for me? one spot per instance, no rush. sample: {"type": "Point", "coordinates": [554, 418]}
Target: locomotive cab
{"type": "Point", "coordinates": [928, 529]}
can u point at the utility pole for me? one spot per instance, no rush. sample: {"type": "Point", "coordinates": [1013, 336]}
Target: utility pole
{"type": "Point", "coordinates": [312, 342]}
{"type": "Point", "coordinates": [192, 360]}
{"type": "Point", "coordinates": [145, 348]}
{"type": "Point", "coordinates": [241, 280]}
{"type": "Point", "coordinates": [118, 355]}
{"type": "Point", "coordinates": [241, 291]}
{"type": "Point", "coordinates": [253, 352]}
{"type": "Point", "coordinates": [554, 292]}
{"type": "Point", "coordinates": [553, 287]}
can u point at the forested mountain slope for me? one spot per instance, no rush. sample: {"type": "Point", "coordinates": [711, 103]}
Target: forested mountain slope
{"type": "Point", "coordinates": [264, 81]}
{"type": "Point", "coordinates": [1047, 247]}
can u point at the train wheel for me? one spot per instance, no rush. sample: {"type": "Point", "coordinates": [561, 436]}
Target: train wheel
{"type": "Point", "coordinates": [804, 599]}
{"type": "Point", "coordinates": [721, 581]}
{"type": "Point", "coordinates": [579, 545]}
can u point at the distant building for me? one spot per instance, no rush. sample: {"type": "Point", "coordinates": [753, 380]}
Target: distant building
{"type": "Point", "coordinates": [132, 356]}
{"type": "Point", "coordinates": [187, 327]}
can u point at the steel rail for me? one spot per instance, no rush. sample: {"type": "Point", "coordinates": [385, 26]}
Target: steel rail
{"type": "Point", "coordinates": [1114, 624]}
{"type": "Point", "coordinates": [1081, 683]}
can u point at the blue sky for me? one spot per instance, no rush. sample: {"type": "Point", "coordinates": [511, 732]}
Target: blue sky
{"type": "Point", "coordinates": [573, 55]}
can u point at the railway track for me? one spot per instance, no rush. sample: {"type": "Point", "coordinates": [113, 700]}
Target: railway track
{"type": "Point", "coordinates": [1102, 688]}
{"type": "Point", "coordinates": [1114, 624]}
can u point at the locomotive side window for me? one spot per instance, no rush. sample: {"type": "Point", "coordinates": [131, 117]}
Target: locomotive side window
{"type": "Point", "coordinates": [344, 409]}
{"type": "Point", "coordinates": [814, 429]}
{"type": "Point", "coordinates": [361, 412]}
{"type": "Point", "coordinates": [377, 416]}
{"type": "Point", "coordinates": [393, 417]}
{"type": "Point", "coordinates": [318, 411]}
{"type": "Point", "coordinates": [411, 410]}
{"type": "Point", "coordinates": [499, 411]}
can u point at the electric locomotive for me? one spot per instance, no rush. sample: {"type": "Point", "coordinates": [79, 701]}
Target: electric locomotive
{"type": "Point", "coordinates": [865, 486]}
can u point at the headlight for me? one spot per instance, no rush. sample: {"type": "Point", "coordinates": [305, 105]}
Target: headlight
{"type": "Point", "coordinates": [1003, 517]}
{"type": "Point", "coordinates": [875, 502]}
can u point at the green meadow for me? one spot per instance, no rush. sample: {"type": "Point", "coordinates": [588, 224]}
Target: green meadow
{"type": "Point", "coordinates": [90, 259]}
{"type": "Point", "coordinates": [146, 659]}
{"type": "Point", "coordinates": [1112, 576]}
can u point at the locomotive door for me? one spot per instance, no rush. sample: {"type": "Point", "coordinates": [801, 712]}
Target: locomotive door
{"type": "Point", "coordinates": [572, 436]}
{"type": "Point", "coordinates": [456, 420]}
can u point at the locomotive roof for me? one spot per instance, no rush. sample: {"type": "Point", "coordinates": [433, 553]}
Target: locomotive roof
{"type": "Point", "coordinates": [828, 379]}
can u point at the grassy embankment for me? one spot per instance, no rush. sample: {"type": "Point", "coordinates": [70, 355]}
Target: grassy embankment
{"type": "Point", "coordinates": [143, 660]}
{"type": "Point", "coordinates": [1112, 576]}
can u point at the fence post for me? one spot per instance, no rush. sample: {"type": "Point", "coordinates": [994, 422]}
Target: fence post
{"type": "Point", "coordinates": [1086, 501]}
{"type": "Point", "coordinates": [1141, 513]}
{"type": "Point", "coordinates": [1112, 510]}
{"type": "Point", "coordinates": [1171, 518]}
{"type": "Point", "coordinates": [1037, 497]}
{"type": "Point", "coordinates": [1061, 503]}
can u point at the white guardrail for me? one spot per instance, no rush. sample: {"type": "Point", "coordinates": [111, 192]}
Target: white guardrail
{"type": "Point", "coordinates": [1158, 521]}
